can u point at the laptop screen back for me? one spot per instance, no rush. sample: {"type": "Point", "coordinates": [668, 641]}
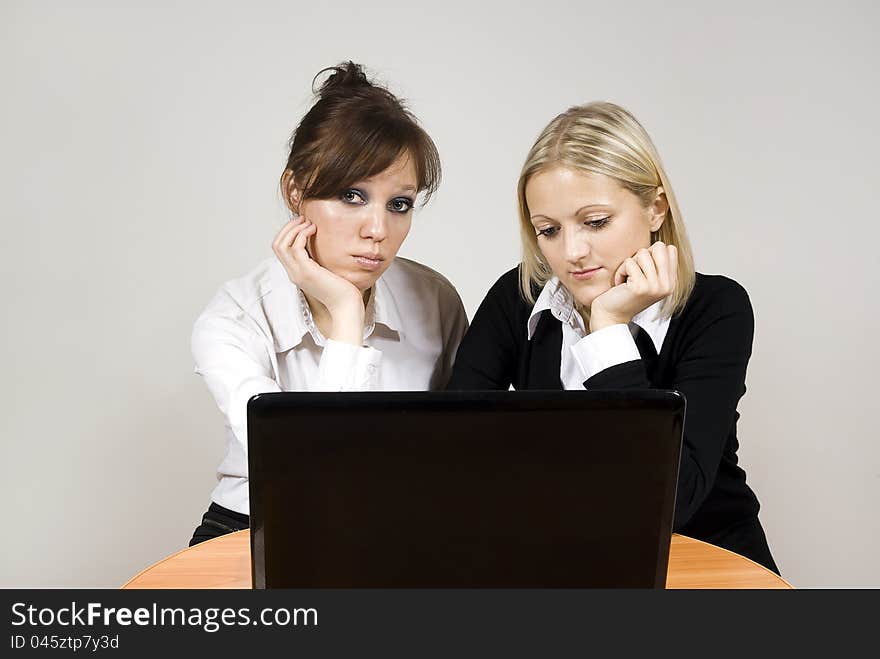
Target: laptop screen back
{"type": "Point", "coordinates": [463, 489]}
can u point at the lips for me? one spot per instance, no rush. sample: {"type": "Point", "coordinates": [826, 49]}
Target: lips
{"type": "Point", "coordinates": [369, 261]}
{"type": "Point", "coordinates": [586, 273]}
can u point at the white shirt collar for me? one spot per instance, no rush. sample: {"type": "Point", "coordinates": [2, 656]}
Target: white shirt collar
{"type": "Point", "coordinates": [558, 300]}
{"type": "Point", "coordinates": [291, 319]}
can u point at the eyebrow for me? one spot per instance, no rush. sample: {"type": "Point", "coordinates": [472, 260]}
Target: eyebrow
{"type": "Point", "coordinates": [405, 188]}
{"type": "Point", "coordinates": [577, 212]}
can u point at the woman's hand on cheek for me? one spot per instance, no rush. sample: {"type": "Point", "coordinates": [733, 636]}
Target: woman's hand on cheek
{"type": "Point", "coordinates": [640, 281]}
{"type": "Point", "coordinates": [342, 299]}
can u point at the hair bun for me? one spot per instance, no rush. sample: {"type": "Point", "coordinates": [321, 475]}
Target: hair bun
{"type": "Point", "coordinates": [344, 78]}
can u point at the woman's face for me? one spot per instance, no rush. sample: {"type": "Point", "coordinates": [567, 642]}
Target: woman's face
{"type": "Point", "coordinates": [359, 232]}
{"type": "Point", "coordinates": [587, 225]}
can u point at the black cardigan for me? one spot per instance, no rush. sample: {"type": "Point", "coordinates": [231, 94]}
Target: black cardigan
{"type": "Point", "coordinates": [704, 356]}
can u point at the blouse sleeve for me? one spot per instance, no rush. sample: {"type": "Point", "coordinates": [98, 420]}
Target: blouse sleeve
{"type": "Point", "coordinates": [347, 367]}
{"type": "Point", "coordinates": [454, 324]}
{"type": "Point", "coordinates": [710, 371]}
{"type": "Point", "coordinates": [603, 349]}
{"type": "Point", "coordinates": [234, 359]}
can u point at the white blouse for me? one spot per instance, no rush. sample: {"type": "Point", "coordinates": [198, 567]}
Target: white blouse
{"type": "Point", "coordinates": [257, 336]}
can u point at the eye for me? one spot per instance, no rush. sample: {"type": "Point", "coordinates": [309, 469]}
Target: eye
{"type": "Point", "coordinates": [352, 196]}
{"type": "Point", "coordinates": [597, 223]}
{"type": "Point", "coordinates": [400, 204]}
{"type": "Point", "coordinates": [549, 232]}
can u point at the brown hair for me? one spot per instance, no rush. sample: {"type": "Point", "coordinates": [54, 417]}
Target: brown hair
{"type": "Point", "coordinates": [356, 129]}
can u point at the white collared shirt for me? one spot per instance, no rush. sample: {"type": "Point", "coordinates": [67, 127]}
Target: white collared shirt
{"type": "Point", "coordinates": [585, 354]}
{"type": "Point", "coordinates": [257, 336]}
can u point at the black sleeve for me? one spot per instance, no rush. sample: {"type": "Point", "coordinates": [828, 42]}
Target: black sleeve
{"type": "Point", "coordinates": [710, 371]}
{"type": "Point", "coordinates": [488, 353]}
{"type": "Point", "coordinates": [628, 375]}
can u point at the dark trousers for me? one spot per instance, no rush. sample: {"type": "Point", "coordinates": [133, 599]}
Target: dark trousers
{"type": "Point", "coordinates": [218, 521]}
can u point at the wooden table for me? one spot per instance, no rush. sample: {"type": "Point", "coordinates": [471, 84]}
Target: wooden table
{"type": "Point", "coordinates": [225, 562]}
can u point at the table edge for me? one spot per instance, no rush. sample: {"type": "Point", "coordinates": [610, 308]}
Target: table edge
{"type": "Point", "coordinates": [175, 554]}
{"type": "Point", "coordinates": [745, 558]}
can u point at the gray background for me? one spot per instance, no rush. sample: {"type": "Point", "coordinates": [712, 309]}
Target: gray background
{"type": "Point", "coordinates": [141, 149]}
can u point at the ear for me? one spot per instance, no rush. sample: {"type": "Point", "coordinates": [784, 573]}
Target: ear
{"type": "Point", "coordinates": [290, 191]}
{"type": "Point", "coordinates": [658, 209]}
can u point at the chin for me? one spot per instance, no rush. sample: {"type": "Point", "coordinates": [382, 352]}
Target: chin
{"type": "Point", "coordinates": [585, 292]}
{"type": "Point", "coordinates": [362, 283]}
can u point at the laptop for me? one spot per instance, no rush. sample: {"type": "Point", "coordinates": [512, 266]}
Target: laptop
{"type": "Point", "coordinates": [481, 489]}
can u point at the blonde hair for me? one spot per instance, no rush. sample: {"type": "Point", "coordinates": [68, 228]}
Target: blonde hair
{"type": "Point", "coordinates": [603, 138]}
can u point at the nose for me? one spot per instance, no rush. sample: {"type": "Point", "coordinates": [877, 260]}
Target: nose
{"type": "Point", "coordinates": [576, 245]}
{"type": "Point", "coordinates": [375, 226]}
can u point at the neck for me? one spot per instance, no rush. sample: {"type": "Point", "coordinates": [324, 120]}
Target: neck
{"type": "Point", "coordinates": [584, 313]}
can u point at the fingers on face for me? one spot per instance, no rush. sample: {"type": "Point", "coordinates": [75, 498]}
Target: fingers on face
{"type": "Point", "coordinates": [652, 271]}
{"type": "Point", "coordinates": [286, 241]}
{"type": "Point", "coordinates": [283, 238]}
{"type": "Point", "coordinates": [666, 261]}
{"type": "Point", "coordinates": [632, 274]}
{"type": "Point", "coordinates": [620, 275]}
{"type": "Point", "coordinates": [298, 245]}
{"type": "Point", "coordinates": [645, 259]}
{"type": "Point", "coordinates": [660, 255]}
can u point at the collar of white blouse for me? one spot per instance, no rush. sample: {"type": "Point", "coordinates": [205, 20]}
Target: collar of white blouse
{"type": "Point", "coordinates": [291, 319]}
{"type": "Point", "coordinates": [558, 300]}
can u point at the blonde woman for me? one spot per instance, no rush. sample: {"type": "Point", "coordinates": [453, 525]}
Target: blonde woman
{"type": "Point", "coordinates": [606, 297]}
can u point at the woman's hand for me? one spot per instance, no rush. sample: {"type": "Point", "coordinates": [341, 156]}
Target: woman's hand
{"type": "Point", "coordinates": [340, 297]}
{"type": "Point", "coordinates": [640, 281]}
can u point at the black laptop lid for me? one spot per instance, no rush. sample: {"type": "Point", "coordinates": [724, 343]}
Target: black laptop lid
{"type": "Point", "coordinates": [463, 489]}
